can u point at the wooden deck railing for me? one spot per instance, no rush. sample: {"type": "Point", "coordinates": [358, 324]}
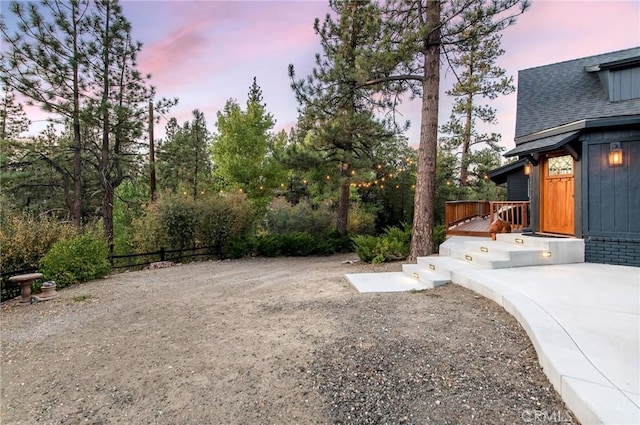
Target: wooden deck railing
{"type": "Point", "coordinates": [457, 212]}
{"type": "Point", "coordinates": [515, 213]}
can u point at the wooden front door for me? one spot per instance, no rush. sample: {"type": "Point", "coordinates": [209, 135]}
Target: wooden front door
{"type": "Point", "coordinates": [557, 206]}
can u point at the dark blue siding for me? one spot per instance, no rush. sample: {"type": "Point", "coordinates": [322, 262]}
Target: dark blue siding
{"type": "Point", "coordinates": [624, 84]}
{"type": "Point", "coordinates": [611, 198]}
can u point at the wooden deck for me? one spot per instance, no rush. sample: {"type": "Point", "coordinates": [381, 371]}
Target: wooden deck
{"type": "Point", "coordinates": [476, 226]}
{"type": "Point", "coordinates": [473, 218]}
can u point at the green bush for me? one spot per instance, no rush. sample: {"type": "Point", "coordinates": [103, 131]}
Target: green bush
{"type": "Point", "coordinates": [128, 202]}
{"type": "Point", "coordinates": [439, 236]}
{"type": "Point", "coordinates": [394, 244]}
{"type": "Point", "coordinates": [269, 245]}
{"type": "Point", "coordinates": [25, 239]}
{"type": "Point", "coordinates": [366, 247]}
{"type": "Point", "coordinates": [360, 220]}
{"type": "Point", "coordinates": [240, 246]}
{"type": "Point", "coordinates": [79, 259]}
{"type": "Point", "coordinates": [179, 218]}
{"type": "Point", "coordinates": [282, 217]}
{"type": "Point", "coordinates": [297, 244]}
{"type": "Point", "coordinates": [178, 222]}
{"type": "Point", "coordinates": [338, 243]}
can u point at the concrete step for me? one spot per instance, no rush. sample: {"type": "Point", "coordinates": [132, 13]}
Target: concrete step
{"type": "Point", "coordinates": [517, 255]}
{"type": "Point", "coordinates": [445, 265]}
{"type": "Point", "coordinates": [559, 250]}
{"type": "Point", "coordinates": [425, 276]}
{"type": "Point", "coordinates": [457, 242]}
{"type": "Point", "coordinates": [482, 260]}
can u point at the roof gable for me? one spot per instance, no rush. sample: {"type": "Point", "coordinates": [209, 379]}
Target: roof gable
{"type": "Point", "coordinates": [561, 93]}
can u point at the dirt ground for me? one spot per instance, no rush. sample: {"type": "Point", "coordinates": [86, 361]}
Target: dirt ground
{"type": "Point", "coordinates": [267, 341]}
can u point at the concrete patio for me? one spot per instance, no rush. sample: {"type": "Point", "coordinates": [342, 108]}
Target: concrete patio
{"type": "Point", "coordinates": [583, 320]}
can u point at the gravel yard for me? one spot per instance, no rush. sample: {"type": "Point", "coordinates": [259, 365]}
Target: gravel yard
{"type": "Point", "coordinates": [267, 341]}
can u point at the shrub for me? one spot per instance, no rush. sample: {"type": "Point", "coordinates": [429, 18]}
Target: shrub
{"type": "Point", "coordinates": [178, 222]}
{"type": "Point", "coordinates": [366, 247]}
{"type": "Point", "coordinates": [128, 200]}
{"type": "Point", "coordinates": [79, 259]}
{"type": "Point", "coordinates": [439, 236]}
{"type": "Point", "coordinates": [147, 230]}
{"type": "Point", "coordinates": [360, 221]}
{"type": "Point", "coordinates": [26, 239]}
{"type": "Point", "coordinates": [240, 246]}
{"type": "Point", "coordinates": [338, 243]}
{"type": "Point", "coordinates": [393, 245]}
{"type": "Point", "coordinates": [297, 244]}
{"type": "Point", "coordinates": [178, 218]}
{"type": "Point", "coordinates": [282, 217]}
{"type": "Point", "coordinates": [269, 245]}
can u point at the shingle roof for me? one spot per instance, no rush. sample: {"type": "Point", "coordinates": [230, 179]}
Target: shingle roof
{"type": "Point", "coordinates": [543, 144]}
{"type": "Point", "coordinates": [561, 93]}
{"type": "Point", "coordinates": [499, 175]}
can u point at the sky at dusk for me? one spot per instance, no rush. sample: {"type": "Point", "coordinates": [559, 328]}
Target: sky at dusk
{"type": "Point", "coordinates": [205, 52]}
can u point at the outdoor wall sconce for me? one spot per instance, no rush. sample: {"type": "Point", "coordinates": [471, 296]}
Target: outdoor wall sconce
{"type": "Point", "coordinates": [529, 164]}
{"type": "Point", "coordinates": [615, 154]}
{"type": "Point", "coordinates": [528, 169]}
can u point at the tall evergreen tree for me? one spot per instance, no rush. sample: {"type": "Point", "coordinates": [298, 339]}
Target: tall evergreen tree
{"type": "Point", "coordinates": [13, 122]}
{"type": "Point", "coordinates": [338, 111]}
{"type": "Point", "coordinates": [118, 105]}
{"type": "Point", "coordinates": [44, 61]}
{"type": "Point", "coordinates": [183, 160]}
{"type": "Point", "coordinates": [408, 58]}
{"type": "Point", "coordinates": [479, 77]}
{"type": "Point", "coordinates": [13, 119]}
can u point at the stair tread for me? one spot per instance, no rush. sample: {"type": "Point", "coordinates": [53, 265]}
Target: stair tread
{"type": "Point", "coordinates": [445, 262]}
{"type": "Point", "coordinates": [505, 246]}
{"type": "Point", "coordinates": [424, 273]}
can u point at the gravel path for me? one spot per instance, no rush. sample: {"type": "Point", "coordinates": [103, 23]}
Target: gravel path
{"type": "Point", "coordinates": [267, 341]}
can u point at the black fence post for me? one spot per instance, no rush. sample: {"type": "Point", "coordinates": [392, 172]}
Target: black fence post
{"type": "Point", "coordinates": [162, 255]}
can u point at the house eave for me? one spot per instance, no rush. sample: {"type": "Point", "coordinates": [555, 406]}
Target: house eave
{"type": "Point", "coordinates": [543, 144]}
{"type": "Point", "coordinates": [499, 175]}
{"type": "Point", "coordinates": [575, 126]}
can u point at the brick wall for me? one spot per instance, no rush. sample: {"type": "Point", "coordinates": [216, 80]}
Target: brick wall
{"type": "Point", "coordinates": [612, 250]}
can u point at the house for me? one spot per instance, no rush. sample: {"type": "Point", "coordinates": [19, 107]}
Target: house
{"type": "Point", "coordinates": [578, 136]}
{"type": "Point", "coordinates": [515, 176]}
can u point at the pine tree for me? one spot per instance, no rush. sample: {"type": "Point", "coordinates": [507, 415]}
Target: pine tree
{"type": "Point", "coordinates": [44, 61]}
{"type": "Point", "coordinates": [478, 78]}
{"type": "Point", "coordinates": [415, 33]}
{"type": "Point", "coordinates": [338, 113]}
{"type": "Point", "coordinates": [119, 102]}
{"type": "Point", "coordinates": [183, 159]}
{"type": "Point", "coordinates": [13, 119]}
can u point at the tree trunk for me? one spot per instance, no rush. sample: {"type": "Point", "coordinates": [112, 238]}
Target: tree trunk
{"type": "Point", "coordinates": [466, 142]}
{"type": "Point", "coordinates": [103, 169]}
{"type": "Point", "coordinates": [343, 208]}
{"type": "Point", "coordinates": [422, 237]}
{"type": "Point", "coordinates": [77, 141]}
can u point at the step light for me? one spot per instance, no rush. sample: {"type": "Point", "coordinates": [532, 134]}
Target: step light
{"type": "Point", "coordinates": [416, 276]}
{"type": "Point", "coordinates": [432, 267]}
{"type": "Point", "coordinates": [520, 241]}
{"type": "Point", "coordinates": [546, 254]}
{"type": "Point", "coordinates": [468, 258]}
{"type": "Point", "coordinates": [484, 249]}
